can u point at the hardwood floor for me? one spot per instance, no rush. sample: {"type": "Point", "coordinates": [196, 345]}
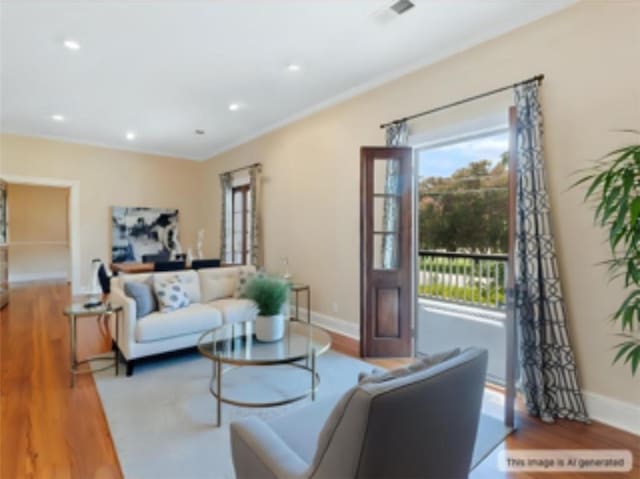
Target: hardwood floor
{"type": "Point", "coordinates": [49, 430]}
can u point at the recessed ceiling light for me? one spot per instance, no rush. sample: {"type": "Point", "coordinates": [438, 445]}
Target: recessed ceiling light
{"type": "Point", "coordinates": [130, 135]}
{"type": "Point", "coordinates": [72, 44]}
{"type": "Point", "coordinates": [234, 106]}
{"type": "Point", "coordinates": [58, 118]}
{"type": "Point", "coordinates": [293, 67]}
{"type": "Point", "coordinates": [199, 131]}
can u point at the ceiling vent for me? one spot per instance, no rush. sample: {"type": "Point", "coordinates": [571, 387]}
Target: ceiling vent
{"type": "Point", "coordinates": [401, 6]}
{"type": "Point", "coordinates": [386, 15]}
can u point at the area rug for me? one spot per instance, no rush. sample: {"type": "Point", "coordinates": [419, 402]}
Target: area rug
{"type": "Point", "coordinates": [162, 418]}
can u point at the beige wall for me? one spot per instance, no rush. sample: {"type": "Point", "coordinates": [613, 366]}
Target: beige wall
{"type": "Point", "coordinates": [38, 232]}
{"type": "Point", "coordinates": [107, 178]}
{"type": "Point", "coordinates": [589, 55]}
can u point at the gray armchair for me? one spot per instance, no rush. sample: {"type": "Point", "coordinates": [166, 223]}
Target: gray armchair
{"type": "Point", "coordinates": [423, 424]}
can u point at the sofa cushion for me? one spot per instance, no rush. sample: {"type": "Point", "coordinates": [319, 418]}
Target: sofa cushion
{"type": "Point", "coordinates": [189, 278]}
{"type": "Point", "coordinates": [194, 318]}
{"type": "Point", "coordinates": [235, 310]}
{"type": "Point", "coordinates": [142, 293]}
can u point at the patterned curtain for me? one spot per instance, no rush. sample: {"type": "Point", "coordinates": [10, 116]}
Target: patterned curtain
{"type": "Point", "coordinates": [397, 134]}
{"type": "Point", "coordinates": [549, 376]}
{"type": "Point", "coordinates": [255, 181]}
{"type": "Point", "coordinates": [226, 184]}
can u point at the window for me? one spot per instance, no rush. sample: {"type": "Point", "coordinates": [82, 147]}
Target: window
{"type": "Point", "coordinates": [241, 225]}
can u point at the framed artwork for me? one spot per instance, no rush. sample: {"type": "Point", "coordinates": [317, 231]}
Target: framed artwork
{"type": "Point", "coordinates": [143, 231]}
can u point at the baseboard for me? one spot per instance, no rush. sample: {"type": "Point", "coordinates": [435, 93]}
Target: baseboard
{"type": "Point", "coordinates": [335, 325]}
{"type": "Point", "coordinates": [615, 413]}
{"type": "Point", "coordinates": [27, 277]}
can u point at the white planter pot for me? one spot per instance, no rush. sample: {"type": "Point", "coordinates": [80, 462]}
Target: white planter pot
{"type": "Point", "coordinates": [270, 328]}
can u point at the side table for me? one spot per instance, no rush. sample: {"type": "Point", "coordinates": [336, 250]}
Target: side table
{"type": "Point", "coordinates": [297, 289]}
{"type": "Point", "coordinates": [78, 310]}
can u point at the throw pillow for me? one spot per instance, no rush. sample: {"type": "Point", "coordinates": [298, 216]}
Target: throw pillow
{"type": "Point", "coordinates": [435, 358]}
{"type": "Point", "coordinates": [424, 361]}
{"type": "Point", "coordinates": [170, 293]}
{"type": "Point", "coordinates": [374, 372]}
{"type": "Point", "coordinates": [217, 286]}
{"type": "Point", "coordinates": [244, 278]}
{"type": "Point", "coordinates": [142, 293]}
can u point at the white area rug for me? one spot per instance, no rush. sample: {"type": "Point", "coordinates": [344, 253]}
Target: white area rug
{"type": "Point", "coordinates": [162, 418]}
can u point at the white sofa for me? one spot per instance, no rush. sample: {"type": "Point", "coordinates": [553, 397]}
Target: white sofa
{"type": "Point", "coordinates": [211, 292]}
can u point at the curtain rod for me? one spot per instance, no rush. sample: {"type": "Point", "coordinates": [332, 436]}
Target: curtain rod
{"type": "Point", "coordinates": [537, 78]}
{"type": "Point", "coordinates": [241, 168]}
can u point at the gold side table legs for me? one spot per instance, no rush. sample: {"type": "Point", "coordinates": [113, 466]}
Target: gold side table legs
{"type": "Point", "coordinates": [297, 289]}
{"type": "Point", "coordinates": [74, 360]}
{"type": "Point", "coordinates": [73, 343]}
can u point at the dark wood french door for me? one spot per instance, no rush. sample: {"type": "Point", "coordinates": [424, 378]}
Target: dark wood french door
{"type": "Point", "coordinates": [386, 251]}
{"type": "Point", "coordinates": [511, 337]}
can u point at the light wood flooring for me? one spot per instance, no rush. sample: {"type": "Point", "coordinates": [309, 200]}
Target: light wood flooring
{"type": "Point", "coordinates": [49, 430]}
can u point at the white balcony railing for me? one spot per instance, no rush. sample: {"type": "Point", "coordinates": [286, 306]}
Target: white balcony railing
{"type": "Point", "coordinates": [464, 278]}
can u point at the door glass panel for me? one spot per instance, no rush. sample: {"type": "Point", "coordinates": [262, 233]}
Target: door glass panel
{"type": "Point", "coordinates": [386, 214]}
{"type": "Point", "coordinates": [386, 176]}
{"type": "Point", "coordinates": [237, 201]}
{"type": "Point", "coordinates": [385, 251]}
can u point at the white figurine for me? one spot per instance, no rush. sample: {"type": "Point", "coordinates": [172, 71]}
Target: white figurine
{"type": "Point", "coordinates": [285, 261]}
{"type": "Point", "coordinates": [199, 244]}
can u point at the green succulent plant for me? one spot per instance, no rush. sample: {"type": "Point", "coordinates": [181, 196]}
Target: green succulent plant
{"type": "Point", "coordinates": [269, 294]}
{"type": "Point", "coordinates": [614, 183]}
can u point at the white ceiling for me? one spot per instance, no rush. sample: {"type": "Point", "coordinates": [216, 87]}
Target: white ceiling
{"type": "Point", "coordinates": [164, 69]}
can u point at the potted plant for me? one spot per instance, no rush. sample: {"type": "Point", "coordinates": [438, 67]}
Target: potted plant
{"type": "Point", "coordinates": [614, 184]}
{"type": "Point", "coordinates": [269, 295]}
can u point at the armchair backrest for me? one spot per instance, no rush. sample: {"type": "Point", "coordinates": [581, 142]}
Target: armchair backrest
{"type": "Point", "coordinates": [420, 425]}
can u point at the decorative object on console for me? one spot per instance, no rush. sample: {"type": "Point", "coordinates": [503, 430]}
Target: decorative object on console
{"type": "Point", "coordinates": [287, 275]}
{"type": "Point", "coordinates": [104, 278]}
{"type": "Point", "coordinates": [143, 231]}
{"type": "Point", "coordinates": [94, 293]}
{"type": "Point", "coordinates": [170, 293]}
{"type": "Point", "coordinates": [199, 244]}
{"type": "Point", "coordinates": [269, 294]}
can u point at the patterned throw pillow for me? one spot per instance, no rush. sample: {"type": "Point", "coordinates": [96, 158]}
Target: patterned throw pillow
{"type": "Point", "coordinates": [170, 293]}
{"type": "Point", "coordinates": [244, 278]}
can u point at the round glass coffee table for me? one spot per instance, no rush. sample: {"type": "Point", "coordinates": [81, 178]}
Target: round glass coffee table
{"type": "Point", "coordinates": [236, 345]}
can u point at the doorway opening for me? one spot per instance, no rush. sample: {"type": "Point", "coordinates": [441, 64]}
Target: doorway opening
{"type": "Point", "coordinates": [463, 195]}
{"type": "Point", "coordinates": [32, 238]}
{"type": "Point", "coordinates": [38, 233]}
